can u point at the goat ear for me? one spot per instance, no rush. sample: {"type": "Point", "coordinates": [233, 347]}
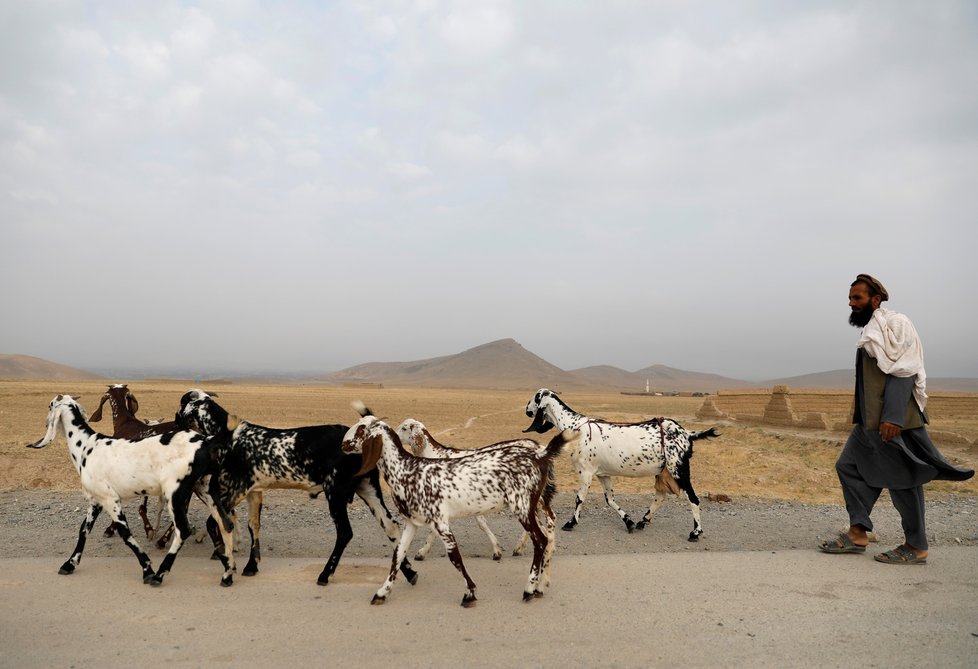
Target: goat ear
{"type": "Point", "coordinates": [233, 422]}
{"type": "Point", "coordinates": [97, 416]}
{"type": "Point", "coordinates": [133, 404]}
{"type": "Point", "coordinates": [372, 449]}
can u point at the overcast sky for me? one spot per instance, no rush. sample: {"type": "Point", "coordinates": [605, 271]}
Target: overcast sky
{"type": "Point", "coordinates": [305, 186]}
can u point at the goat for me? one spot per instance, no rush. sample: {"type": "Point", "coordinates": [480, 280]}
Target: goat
{"type": "Point", "coordinates": [262, 458]}
{"type": "Point", "coordinates": [433, 492]}
{"type": "Point", "coordinates": [419, 442]}
{"type": "Point", "coordinates": [112, 470]}
{"type": "Point", "coordinates": [621, 449]}
{"type": "Point", "coordinates": [125, 425]}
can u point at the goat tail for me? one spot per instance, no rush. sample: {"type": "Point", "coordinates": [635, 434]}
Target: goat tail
{"type": "Point", "coordinates": [361, 408]}
{"type": "Point", "coordinates": [557, 444]}
{"type": "Point", "coordinates": [550, 490]}
{"type": "Point", "coordinates": [704, 434]}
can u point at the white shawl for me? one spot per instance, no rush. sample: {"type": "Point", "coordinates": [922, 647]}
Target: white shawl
{"type": "Point", "coordinates": [892, 340]}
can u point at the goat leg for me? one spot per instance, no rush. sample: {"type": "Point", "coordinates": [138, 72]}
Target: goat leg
{"type": "Point", "coordinates": [86, 526]}
{"type": "Point", "coordinates": [126, 535]}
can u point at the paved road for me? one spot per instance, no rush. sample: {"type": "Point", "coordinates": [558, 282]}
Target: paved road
{"type": "Point", "coordinates": [708, 609]}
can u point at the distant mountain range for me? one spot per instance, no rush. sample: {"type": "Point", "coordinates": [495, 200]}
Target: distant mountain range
{"type": "Point", "coordinates": [505, 365]}
{"type": "Point", "coordinates": [13, 366]}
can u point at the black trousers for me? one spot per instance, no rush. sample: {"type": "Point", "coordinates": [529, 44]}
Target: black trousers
{"type": "Point", "coordinates": [861, 498]}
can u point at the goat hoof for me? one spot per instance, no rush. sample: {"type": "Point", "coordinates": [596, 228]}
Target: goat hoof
{"type": "Point", "coordinates": [227, 582]}
{"type": "Point", "coordinates": [693, 537]}
{"type": "Point", "coordinates": [155, 581]}
{"type": "Point", "coordinates": [640, 525]}
{"type": "Point", "coordinates": [249, 570]}
{"type": "Point", "coordinates": [419, 557]}
{"type": "Point", "coordinates": [629, 524]}
{"type": "Point", "coordinates": [377, 600]}
{"type": "Point", "coordinates": [323, 579]}
{"type": "Point", "coordinates": [468, 601]}
{"type": "Point", "coordinates": [497, 556]}
{"type": "Point", "coordinates": [517, 553]}
{"type": "Point", "coordinates": [527, 596]}
{"type": "Point", "coordinates": [568, 526]}
{"type": "Point", "coordinates": [66, 569]}
{"type": "Point", "coordinates": [412, 578]}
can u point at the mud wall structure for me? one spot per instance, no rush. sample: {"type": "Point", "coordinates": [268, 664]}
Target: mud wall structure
{"type": "Point", "coordinates": [827, 409]}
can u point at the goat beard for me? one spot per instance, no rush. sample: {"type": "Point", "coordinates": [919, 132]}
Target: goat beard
{"type": "Point", "coordinates": [859, 318]}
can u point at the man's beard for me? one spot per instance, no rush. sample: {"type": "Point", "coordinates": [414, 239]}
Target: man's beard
{"type": "Point", "coordinates": [859, 319]}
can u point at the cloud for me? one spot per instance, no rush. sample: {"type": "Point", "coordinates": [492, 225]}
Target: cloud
{"type": "Point", "coordinates": [649, 183]}
{"type": "Point", "coordinates": [478, 30]}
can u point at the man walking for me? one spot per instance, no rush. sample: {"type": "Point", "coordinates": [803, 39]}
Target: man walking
{"type": "Point", "coordinates": [889, 446]}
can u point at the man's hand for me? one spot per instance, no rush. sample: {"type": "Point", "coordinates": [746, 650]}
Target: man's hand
{"type": "Point", "coordinates": [888, 431]}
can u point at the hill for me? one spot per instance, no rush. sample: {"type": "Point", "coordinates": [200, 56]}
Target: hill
{"type": "Point", "coordinates": [837, 378]}
{"type": "Point", "coordinates": [502, 364]}
{"type": "Point", "coordinates": [658, 378]}
{"type": "Point", "coordinates": [15, 366]}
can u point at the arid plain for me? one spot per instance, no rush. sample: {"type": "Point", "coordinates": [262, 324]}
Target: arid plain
{"type": "Point", "coordinates": [746, 461]}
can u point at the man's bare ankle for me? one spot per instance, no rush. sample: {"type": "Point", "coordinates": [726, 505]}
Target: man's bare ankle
{"type": "Point", "coordinates": [919, 552]}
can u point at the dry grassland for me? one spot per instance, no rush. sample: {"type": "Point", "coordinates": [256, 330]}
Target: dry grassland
{"type": "Point", "coordinates": [747, 461]}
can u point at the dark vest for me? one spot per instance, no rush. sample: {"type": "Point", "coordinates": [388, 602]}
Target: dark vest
{"type": "Point", "coordinates": [873, 382]}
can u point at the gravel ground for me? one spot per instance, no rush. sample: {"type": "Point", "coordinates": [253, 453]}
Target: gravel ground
{"type": "Point", "coordinates": [44, 523]}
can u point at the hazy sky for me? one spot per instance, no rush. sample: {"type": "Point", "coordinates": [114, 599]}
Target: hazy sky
{"type": "Point", "coordinates": [306, 186]}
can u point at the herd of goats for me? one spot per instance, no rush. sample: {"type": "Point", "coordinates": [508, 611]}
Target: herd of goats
{"type": "Point", "coordinates": [207, 452]}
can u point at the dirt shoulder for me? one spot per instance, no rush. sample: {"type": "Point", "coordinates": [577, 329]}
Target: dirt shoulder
{"type": "Point", "coordinates": [44, 523]}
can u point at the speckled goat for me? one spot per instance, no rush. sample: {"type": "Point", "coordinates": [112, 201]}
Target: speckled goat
{"type": "Point", "coordinates": [420, 442]}
{"type": "Point", "coordinates": [621, 449]}
{"type": "Point", "coordinates": [433, 492]}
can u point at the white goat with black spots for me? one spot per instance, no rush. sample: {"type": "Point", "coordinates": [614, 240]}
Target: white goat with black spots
{"type": "Point", "coordinates": [429, 492]}
{"type": "Point", "coordinates": [112, 470]}
{"type": "Point", "coordinates": [126, 425]}
{"type": "Point", "coordinates": [621, 449]}
{"type": "Point", "coordinates": [309, 458]}
{"type": "Point", "coordinates": [419, 442]}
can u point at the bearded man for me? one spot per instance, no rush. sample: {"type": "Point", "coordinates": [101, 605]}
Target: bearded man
{"type": "Point", "coordinates": [889, 446]}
